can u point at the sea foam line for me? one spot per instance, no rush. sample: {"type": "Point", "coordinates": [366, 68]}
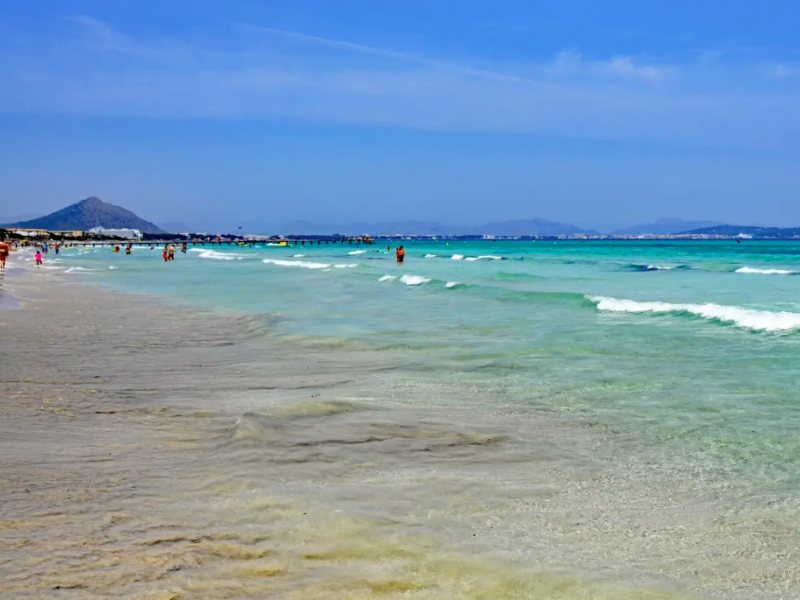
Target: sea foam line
{"type": "Point", "coordinates": [756, 271]}
{"type": "Point", "coordinates": [746, 318]}
{"type": "Point", "coordinates": [475, 258]}
{"type": "Point", "coordinates": [217, 255]}
{"type": "Point", "coordinates": [414, 279]}
{"type": "Point", "coordinates": [303, 264]}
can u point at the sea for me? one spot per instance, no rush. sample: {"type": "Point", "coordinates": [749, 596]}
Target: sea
{"type": "Point", "coordinates": [656, 382]}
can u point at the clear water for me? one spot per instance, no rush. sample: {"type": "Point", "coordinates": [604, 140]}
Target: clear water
{"type": "Point", "coordinates": [678, 360]}
{"type": "Point", "coordinates": [691, 345]}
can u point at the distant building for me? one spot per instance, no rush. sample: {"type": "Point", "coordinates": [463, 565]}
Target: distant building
{"type": "Point", "coordinates": [128, 234]}
{"type": "Point", "coordinates": [30, 232]}
{"type": "Point", "coordinates": [72, 233]}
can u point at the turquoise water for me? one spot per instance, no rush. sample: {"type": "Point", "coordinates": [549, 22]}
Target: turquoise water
{"type": "Point", "coordinates": [689, 349]}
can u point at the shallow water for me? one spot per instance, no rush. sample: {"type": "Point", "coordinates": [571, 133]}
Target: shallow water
{"type": "Point", "coordinates": [617, 413]}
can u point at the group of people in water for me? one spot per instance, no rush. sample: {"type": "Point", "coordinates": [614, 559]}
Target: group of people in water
{"type": "Point", "coordinates": [167, 254]}
{"type": "Point", "coordinates": [7, 245]}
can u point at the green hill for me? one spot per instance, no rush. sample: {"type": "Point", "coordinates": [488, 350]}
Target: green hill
{"type": "Point", "coordinates": [89, 213]}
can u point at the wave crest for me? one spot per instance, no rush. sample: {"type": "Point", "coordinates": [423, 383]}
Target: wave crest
{"type": "Point", "coordinates": [302, 264]}
{"type": "Point", "coordinates": [745, 318]}
{"type": "Point", "coordinates": [414, 279]}
{"type": "Point", "coordinates": [756, 271]}
{"type": "Point", "coordinates": [217, 255]}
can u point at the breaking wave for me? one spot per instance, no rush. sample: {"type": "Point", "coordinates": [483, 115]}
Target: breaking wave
{"type": "Point", "coordinates": [756, 271]}
{"type": "Point", "coordinates": [745, 318]}
{"type": "Point", "coordinates": [476, 258]}
{"type": "Point", "coordinates": [483, 257]}
{"type": "Point", "coordinates": [414, 279]}
{"type": "Point", "coordinates": [302, 264]}
{"type": "Point", "coordinates": [217, 255]}
{"type": "Point", "coordinates": [644, 268]}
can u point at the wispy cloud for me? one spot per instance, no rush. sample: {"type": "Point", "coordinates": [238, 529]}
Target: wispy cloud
{"type": "Point", "coordinates": [262, 72]}
{"type": "Point", "coordinates": [385, 53]}
{"type": "Point", "coordinates": [99, 32]}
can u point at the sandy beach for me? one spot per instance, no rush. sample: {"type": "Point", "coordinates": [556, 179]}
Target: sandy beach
{"type": "Point", "coordinates": [134, 467]}
{"type": "Point", "coordinates": [151, 450]}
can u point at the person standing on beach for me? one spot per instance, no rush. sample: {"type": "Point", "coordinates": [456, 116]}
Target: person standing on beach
{"type": "Point", "coordinates": [400, 254]}
{"type": "Point", "coordinates": [38, 257]}
{"type": "Point", "coordinates": [4, 250]}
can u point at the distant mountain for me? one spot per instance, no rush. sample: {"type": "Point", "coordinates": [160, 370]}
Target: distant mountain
{"type": "Point", "coordinates": [388, 228]}
{"type": "Point", "coordinates": [89, 213]}
{"type": "Point", "coordinates": [529, 227]}
{"type": "Point", "coordinates": [735, 230]}
{"type": "Point", "coordinates": [503, 228]}
{"type": "Point", "coordinates": [665, 227]}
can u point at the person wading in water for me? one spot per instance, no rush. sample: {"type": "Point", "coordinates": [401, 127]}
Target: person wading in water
{"type": "Point", "coordinates": [400, 254]}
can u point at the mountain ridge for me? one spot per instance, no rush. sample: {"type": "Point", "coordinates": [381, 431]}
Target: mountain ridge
{"type": "Point", "coordinates": [518, 227]}
{"type": "Point", "coordinates": [88, 213]}
{"type": "Point", "coordinates": [665, 226]}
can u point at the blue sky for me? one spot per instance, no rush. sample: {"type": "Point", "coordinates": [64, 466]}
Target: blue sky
{"type": "Point", "coordinates": [257, 113]}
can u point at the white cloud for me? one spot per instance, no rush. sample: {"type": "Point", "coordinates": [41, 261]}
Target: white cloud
{"type": "Point", "coordinates": [622, 66]}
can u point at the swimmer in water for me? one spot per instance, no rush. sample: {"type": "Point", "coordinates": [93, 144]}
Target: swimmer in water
{"type": "Point", "coordinates": [400, 254]}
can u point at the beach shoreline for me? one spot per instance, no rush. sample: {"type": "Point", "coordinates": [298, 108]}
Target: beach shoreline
{"type": "Point", "coordinates": [158, 451]}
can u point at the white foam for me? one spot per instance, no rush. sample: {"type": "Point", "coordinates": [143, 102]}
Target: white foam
{"type": "Point", "coordinates": [755, 271]}
{"type": "Point", "coordinates": [457, 257]}
{"type": "Point", "coordinates": [112, 268]}
{"type": "Point", "coordinates": [295, 263]}
{"type": "Point", "coordinates": [356, 252]}
{"type": "Point", "coordinates": [388, 278]}
{"type": "Point", "coordinates": [659, 268]}
{"type": "Point", "coordinates": [746, 318]}
{"type": "Point", "coordinates": [452, 284]}
{"type": "Point", "coordinates": [216, 255]}
{"type": "Point", "coordinates": [298, 255]}
{"type": "Point", "coordinates": [414, 279]}
{"type": "Point", "coordinates": [79, 270]}
{"type": "Point", "coordinates": [429, 255]}
{"type": "Point", "coordinates": [482, 257]}
{"type": "Point", "coordinates": [345, 266]}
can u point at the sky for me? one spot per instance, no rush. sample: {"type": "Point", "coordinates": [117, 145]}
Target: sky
{"type": "Point", "coordinates": [219, 114]}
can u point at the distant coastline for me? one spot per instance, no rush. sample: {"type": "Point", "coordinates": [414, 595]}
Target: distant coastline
{"type": "Point", "coordinates": [90, 219]}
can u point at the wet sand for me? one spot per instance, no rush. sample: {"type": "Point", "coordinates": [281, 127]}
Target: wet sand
{"type": "Point", "coordinates": [149, 451]}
